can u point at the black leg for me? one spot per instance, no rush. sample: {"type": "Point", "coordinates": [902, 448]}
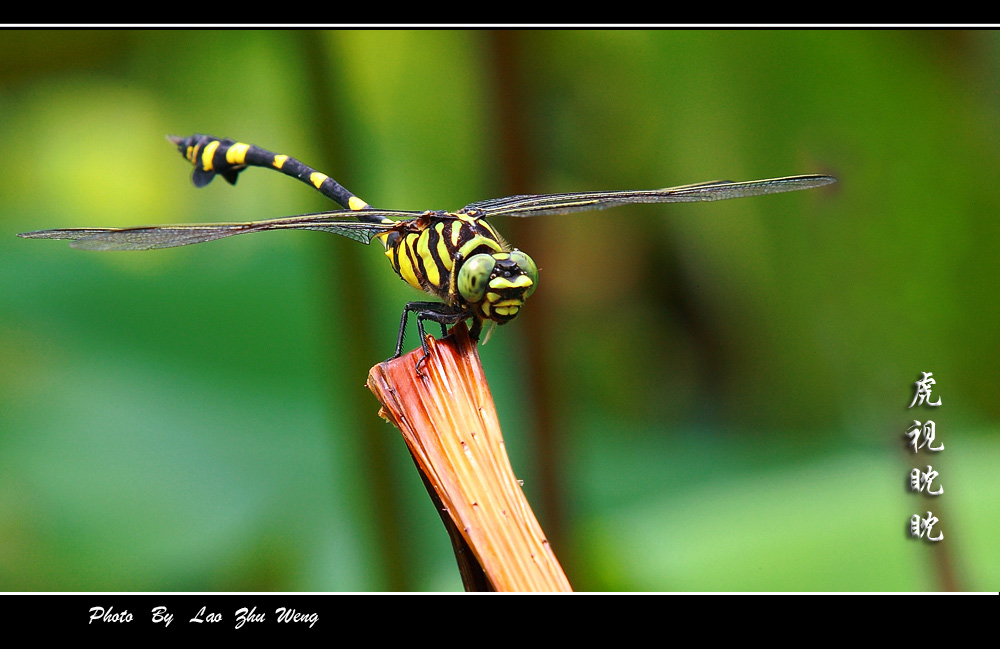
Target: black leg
{"type": "Point", "coordinates": [443, 314]}
{"type": "Point", "coordinates": [476, 330]}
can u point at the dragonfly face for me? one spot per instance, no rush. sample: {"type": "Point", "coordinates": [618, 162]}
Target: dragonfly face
{"type": "Point", "coordinates": [498, 284]}
{"type": "Point", "coordinates": [455, 256]}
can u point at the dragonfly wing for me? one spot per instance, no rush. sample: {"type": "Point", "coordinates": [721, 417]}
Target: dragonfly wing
{"type": "Point", "coordinates": [716, 190]}
{"type": "Point", "coordinates": [152, 237]}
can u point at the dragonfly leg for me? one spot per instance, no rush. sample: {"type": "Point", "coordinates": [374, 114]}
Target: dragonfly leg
{"type": "Point", "coordinates": [476, 330]}
{"type": "Point", "coordinates": [443, 314]}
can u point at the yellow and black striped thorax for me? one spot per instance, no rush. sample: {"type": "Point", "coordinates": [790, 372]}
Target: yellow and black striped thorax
{"type": "Point", "coordinates": [463, 260]}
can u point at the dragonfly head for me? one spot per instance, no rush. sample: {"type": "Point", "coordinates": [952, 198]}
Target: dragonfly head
{"type": "Point", "coordinates": [497, 284]}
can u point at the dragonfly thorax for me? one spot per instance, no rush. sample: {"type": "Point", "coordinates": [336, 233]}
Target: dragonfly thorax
{"type": "Point", "coordinates": [461, 259]}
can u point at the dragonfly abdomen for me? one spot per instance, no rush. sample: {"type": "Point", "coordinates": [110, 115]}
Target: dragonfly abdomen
{"type": "Point", "coordinates": [227, 158]}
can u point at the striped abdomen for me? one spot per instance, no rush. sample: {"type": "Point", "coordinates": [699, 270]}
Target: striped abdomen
{"type": "Point", "coordinates": [226, 157]}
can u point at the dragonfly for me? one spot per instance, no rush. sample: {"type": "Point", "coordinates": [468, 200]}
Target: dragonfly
{"type": "Point", "coordinates": [457, 257]}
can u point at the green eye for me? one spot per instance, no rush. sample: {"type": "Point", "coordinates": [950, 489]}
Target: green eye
{"type": "Point", "coordinates": [527, 265]}
{"type": "Point", "coordinates": [474, 277]}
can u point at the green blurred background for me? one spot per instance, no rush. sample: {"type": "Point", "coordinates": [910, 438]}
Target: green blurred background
{"type": "Point", "coordinates": [698, 397]}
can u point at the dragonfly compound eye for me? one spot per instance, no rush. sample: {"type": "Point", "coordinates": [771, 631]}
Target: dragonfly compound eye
{"type": "Point", "coordinates": [528, 267]}
{"type": "Point", "coordinates": [474, 277]}
{"type": "Point", "coordinates": [511, 280]}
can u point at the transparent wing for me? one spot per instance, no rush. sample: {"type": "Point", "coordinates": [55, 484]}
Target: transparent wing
{"type": "Point", "coordinates": [342, 222]}
{"type": "Point", "coordinates": [716, 190]}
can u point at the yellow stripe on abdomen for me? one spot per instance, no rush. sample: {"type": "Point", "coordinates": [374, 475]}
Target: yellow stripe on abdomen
{"type": "Point", "coordinates": [206, 155]}
{"type": "Point", "coordinates": [317, 179]}
{"type": "Point", "coordinates": [237, 153]}
{"type": "Point", "coordinates": [356, 203]}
